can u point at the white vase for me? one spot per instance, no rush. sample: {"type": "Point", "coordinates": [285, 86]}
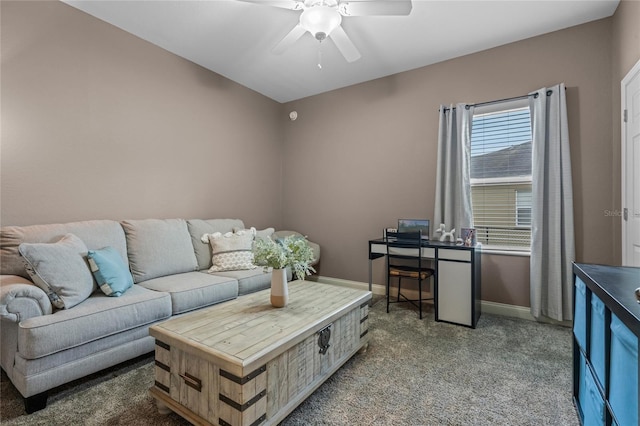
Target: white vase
{"type": "Point", "coordinates": [279, 288]}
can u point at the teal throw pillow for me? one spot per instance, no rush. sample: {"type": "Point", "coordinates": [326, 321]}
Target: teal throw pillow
{"type": "Point", "coordinates": [110, 271]}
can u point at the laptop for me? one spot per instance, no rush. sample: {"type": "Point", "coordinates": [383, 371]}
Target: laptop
{"type": "Point", "coordinates": [415, 225]}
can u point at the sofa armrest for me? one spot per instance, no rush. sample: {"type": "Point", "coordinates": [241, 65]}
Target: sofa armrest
{"type": "Point", "coordinates": [21, 299]}
{"type": "Point", "coordinates": [314, 247]}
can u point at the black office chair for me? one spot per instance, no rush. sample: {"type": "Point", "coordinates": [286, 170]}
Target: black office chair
{"type": "Point", "coordinates": [404, 260]}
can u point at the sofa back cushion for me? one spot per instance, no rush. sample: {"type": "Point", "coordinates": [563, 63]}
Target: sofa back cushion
{"type": "Point", "coordinates": [95, 234]}
{"type": "Point", "coordinates": [158, 247]}
{"type": "Point", "coordinates": [199, 227]}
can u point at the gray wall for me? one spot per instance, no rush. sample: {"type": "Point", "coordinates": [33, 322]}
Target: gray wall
{"type": "Point", "coordinates": [374, 146]}
{"type": "Point", "coordinates": [97, 123]}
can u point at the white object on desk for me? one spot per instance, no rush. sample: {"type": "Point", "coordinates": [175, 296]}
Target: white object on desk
{"type": "Point", "coordinates": [450, 235]}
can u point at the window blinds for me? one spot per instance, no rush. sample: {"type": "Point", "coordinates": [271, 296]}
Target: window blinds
{"type": "Point", "coordinates": [501, 178]}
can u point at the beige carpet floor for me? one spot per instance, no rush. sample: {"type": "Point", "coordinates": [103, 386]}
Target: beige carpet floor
{"type": "Point", "coordinates": [505, 372]}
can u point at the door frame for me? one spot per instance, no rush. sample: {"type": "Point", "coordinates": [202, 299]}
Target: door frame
{"type": "Point", "coordinates": [633, 72]}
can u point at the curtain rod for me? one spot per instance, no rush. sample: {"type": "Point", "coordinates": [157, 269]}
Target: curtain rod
{"type": "Point", "coordinates": [515, 98]}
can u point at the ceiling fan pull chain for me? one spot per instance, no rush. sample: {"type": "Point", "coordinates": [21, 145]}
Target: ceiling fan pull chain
{"type": "Point", "coordinates": [320, 55]}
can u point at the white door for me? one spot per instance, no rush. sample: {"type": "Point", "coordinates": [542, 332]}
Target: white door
{"type": "Point", "coordinates": [631, 167]}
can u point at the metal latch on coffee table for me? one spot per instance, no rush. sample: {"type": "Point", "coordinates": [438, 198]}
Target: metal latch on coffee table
{"type": "Point", "coordinates": [191, 381]}
{"type": "Point", "coordinates": [324, 336]}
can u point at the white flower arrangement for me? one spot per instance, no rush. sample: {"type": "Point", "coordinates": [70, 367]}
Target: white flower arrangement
{"type": "Point", "coordinates": [292, 251]}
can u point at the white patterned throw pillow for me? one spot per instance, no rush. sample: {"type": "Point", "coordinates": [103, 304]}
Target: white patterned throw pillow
{"type": "Point", "coordinates": [231, 252]}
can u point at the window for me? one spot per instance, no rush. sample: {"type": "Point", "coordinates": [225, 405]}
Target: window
{"type": "Point", "coordinates": [523, 207]}
{"type": "Point", "coordinates": [501, 177]}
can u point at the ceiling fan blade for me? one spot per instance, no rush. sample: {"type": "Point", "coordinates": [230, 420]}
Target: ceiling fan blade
{"type": "Point", "coordinates": [283, 4]}
{"type": "Point", "coordinates": [344, 44]}
{"type": "Point", "coordinates": [289, 39]}
{"type": "Point", "coordinates": [375, 7]}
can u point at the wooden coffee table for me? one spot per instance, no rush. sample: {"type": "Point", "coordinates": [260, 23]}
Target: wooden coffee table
{"type": "Point", "coordinates": [245, 362]}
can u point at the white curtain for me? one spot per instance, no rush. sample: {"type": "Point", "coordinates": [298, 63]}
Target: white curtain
{"type": "Point", "coordinates": [453, 187]}
{"type": "Point", "coordinates": [552, 235]}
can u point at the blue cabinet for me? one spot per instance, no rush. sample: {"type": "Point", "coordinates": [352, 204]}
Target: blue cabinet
{"type": "Point", "coordinates": [623, 393]}
{"type": "Point", "coordinates": [606, 332]}
{"type": "Point", "coordinates": [598, 335]}
{"type": "Point", "coordinates": [580, 313]}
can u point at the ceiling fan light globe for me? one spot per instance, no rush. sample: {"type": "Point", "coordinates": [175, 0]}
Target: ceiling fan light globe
{"type": "Point", "coordinates": [320, 20]}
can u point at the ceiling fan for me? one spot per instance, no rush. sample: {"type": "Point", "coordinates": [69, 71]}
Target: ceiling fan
{"type": "Point", "coordinates": [322, 19]}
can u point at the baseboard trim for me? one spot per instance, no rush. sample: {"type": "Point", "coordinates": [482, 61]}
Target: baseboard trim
{"type": "Point", "coordinates": [375, 288]}
{"type": "Point", "coordinates": [495, 308]}
{"type": "Point", "coordinates": [513, 311]}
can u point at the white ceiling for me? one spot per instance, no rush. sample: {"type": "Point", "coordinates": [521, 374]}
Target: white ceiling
{"type": "Point", "coordinates": [234, 38]}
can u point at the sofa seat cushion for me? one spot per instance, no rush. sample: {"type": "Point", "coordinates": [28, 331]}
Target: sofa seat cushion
{"type": "Point", "coordinates": [97, 317]}
{"type": "Point", "coordinates": [251, 280]}
{"type": "Point", "coordinates": [30, 367]}
{"type": "Point", "coordinates": [193, 290]}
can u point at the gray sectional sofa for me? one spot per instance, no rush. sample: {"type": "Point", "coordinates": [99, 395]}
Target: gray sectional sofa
{"type": "Point", "coordinates": [43, 347]}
